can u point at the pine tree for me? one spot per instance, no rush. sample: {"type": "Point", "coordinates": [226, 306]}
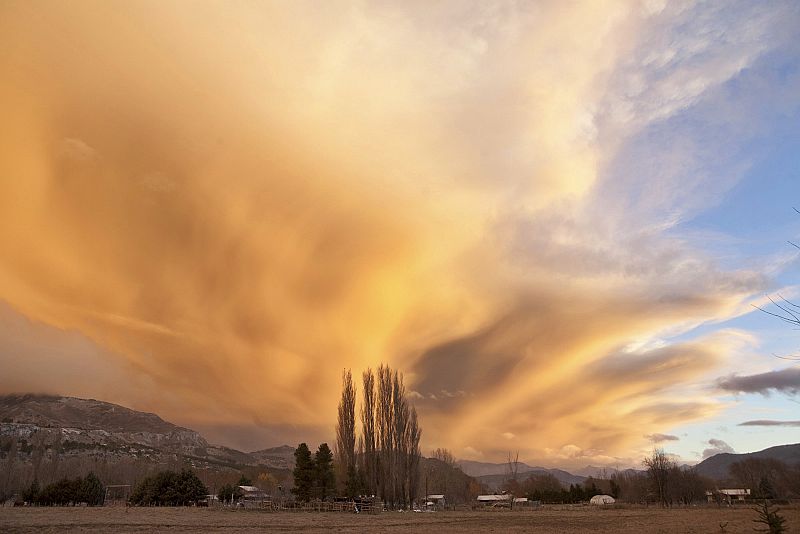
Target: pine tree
{"type": "Point", "coordinates": [769, 516]}
{"type": "Point", "coordinates": [325, 479]}
{"type": "Point", "coordinates": [31, 495]}
{"type": "Point", "coordinates": [92, 491]}
{"type": "Point", "coordinates": [229, 493]}
{"type": "Point", "coordinates": [303, 473]}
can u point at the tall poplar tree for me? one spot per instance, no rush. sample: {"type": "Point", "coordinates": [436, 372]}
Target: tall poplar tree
{"type": "Point", "coordinates": [346, 436]}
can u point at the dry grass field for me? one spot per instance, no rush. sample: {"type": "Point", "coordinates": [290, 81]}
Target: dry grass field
{"type": "Point", "coordinates": [546, 520]}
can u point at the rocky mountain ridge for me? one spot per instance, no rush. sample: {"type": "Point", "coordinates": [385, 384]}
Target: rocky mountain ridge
{"type": "Point", "coordinates": [73, 428]}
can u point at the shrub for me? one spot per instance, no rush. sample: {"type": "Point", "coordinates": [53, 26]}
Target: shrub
{"type": "Point", "coordinates": [168, 488]}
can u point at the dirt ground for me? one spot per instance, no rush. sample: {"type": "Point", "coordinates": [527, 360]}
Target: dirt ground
{"type": "Point", "coordinates": [545, 520]}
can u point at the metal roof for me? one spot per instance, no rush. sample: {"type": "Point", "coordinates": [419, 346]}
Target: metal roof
{"type": "Point", "coordinates": [735, 491]}
{"type": "Point", "coordinates": [490, 498]}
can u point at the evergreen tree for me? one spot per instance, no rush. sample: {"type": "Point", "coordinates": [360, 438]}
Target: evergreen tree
{"type": "Point", "coordinates": [774, 523]}
{"type": "Point", "coordinates": [303, 473]}
{"type": "Point", "coordinates": [168, 488]}
{"type": "Point", "coordinates": [325, 479]}
{"type": "Point", "coordinates": [190, 488]}
{"type": "Point", "coordinates": [92, 491]}
{"type": "Point", "coordinates": [31, 495]}
{"type": "Point", "coordinates": [229, 493]}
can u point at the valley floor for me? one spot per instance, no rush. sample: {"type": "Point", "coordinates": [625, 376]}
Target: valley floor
{"type": "Point", "coordinates": [561, 519]}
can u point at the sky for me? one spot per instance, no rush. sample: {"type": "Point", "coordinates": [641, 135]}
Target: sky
{"type": "Point", "coordinates": [555, 218]}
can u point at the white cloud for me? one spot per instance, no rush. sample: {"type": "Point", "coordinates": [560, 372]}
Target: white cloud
{"type": "Point", "coordinates": [717, 447]}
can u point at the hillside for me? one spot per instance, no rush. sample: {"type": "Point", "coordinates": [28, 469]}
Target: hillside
{"type": "Point", "coordinates": [717, 466]}
{"type": "Point", "coordinates": [48, 436]}
{"type": "Point", "coordinates": [494, 474]}
{"type": "Point", "coordinates": [90, 421]}
{"type": "Point", "coordinates": [278, 457]}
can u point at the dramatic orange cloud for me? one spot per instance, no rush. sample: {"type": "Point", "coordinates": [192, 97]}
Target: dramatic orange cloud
{"type": "Point", "coordinates": [235, 201]}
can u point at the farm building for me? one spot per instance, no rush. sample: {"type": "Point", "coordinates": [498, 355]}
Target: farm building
{"type": "Point", "coordinates": [524, 502]}
{"type": "Point", "coordinates": [253, 496]}
{"type": "Point", "coordinates": [435, 502]}
{"type": "Point", "coordinates": [495, 500]}
{"type": "Point", "coordinates": [729, 495]}
{"type": "Point", "coordinates": [602, 499]}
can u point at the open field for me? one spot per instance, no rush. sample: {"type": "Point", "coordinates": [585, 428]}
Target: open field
{"type": "Point", "coordinates": [546, 520]}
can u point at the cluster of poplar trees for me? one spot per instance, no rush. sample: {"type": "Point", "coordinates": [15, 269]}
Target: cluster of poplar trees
{"type": "Point", "coordinates": [386, 462]}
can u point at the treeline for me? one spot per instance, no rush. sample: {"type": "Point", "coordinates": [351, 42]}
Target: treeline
{"type": "Point", "coordinates": [666, 483]}
{"type": "Point", "coordinates": [386, 462]}
{"type": "Point", "coordinates": [314, 478]}
{"type": "Point", "coordinates": [546, 488]}
{"type": "Point", "coordinates": [169, 488]}
{"type": "Point", "coordinates": [87, 490]}
{"type": "Point", "coordinates": [767, 478]}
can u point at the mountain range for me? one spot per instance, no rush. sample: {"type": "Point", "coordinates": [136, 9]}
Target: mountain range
{"type": "Point", "coordinates": [494, 474]}
{"type": "Point", "coordinates": [89, 432]}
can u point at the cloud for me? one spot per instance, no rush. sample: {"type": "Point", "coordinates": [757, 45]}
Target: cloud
{"type": "Point", "coordinates": [449, 190]}
{"type": "Point", "coordinates": [717, 447]}
{"type": "Point", "coordinates": [783, 381]}
{"type": "Point", "coordinates": [766, 422]}
{"type": "Point", "coordinates": [660, 438]}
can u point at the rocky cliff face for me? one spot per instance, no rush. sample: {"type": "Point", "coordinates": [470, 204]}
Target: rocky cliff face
{"type": "Point", "coordinates": [70, 424]}
{"type": "Point", "coordinates": [37, 426]}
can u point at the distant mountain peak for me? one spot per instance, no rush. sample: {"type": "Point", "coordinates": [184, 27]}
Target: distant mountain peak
{"type": "Point", "coordinates": [718, 466]}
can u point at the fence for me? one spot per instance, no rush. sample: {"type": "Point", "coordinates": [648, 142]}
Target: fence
{"type": "Point", "coordinates": [362, 507]}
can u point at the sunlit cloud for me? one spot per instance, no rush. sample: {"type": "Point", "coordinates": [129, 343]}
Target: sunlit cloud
{"type": "Point", "coordinates": [231, 203]}
{"type": "Point", "coordinates": [717, 446]}
{"type": "Point", "coordinates": [659, 438]}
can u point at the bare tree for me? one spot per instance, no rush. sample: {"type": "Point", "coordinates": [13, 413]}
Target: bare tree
{"type": "Point", "coordinates": [658, 470]}
{"type": "Point", "coordinates": [785, 310]}
{"type": "Point", "coordinates": [512, 468]}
